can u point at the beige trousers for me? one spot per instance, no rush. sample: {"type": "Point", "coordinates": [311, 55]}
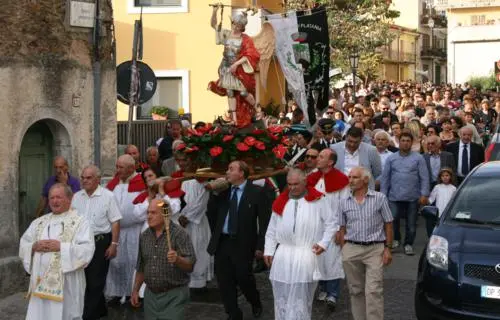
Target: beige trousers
{"type": "Point", "coordinates": [364, 273]}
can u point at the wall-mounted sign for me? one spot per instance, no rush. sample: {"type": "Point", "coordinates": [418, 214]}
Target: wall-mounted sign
{"type": "Point", "coordinates": [82, 14]}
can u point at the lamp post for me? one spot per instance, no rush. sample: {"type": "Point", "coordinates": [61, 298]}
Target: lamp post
{"type": "Point", "coordinates": [354, 60]}
{"type": "Point", "coordinates": [431, 25]}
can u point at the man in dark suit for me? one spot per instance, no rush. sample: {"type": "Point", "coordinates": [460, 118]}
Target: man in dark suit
{"type": "Point", "coordinates": [437, 159]}
{"type": "Point", "coordinates": [235, 240]}
{"type": "Point", "coordinates": [467, 154]}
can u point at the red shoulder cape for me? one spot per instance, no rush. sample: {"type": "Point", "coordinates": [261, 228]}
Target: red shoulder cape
{"type": "Point", "coordinates": [280, 202]}
{"type": "Point", "coordinates": [171, 188]}
{"type": "Point", "coordinates": [135, 185]}
{"type": "Point", "coordinates": [334, 180]}
{"type": "Point", "coordinates": [177, 174]}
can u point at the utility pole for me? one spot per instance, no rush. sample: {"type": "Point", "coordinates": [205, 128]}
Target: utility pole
{"type": "Point", "coordinates": [134, 75]}
{"type": "Point", "coordinates": [96, 67]}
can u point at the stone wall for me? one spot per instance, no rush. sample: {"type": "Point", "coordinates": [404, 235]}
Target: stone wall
{"type": "Point", "coordinates": [45, 66]}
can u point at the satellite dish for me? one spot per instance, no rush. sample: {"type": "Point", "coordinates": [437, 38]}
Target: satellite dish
{"type": "Point", "coordinates": [147, 81]}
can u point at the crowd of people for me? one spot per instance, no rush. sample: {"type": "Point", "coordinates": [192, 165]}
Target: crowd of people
{"type": "Point", "coordinates": [149, 235]}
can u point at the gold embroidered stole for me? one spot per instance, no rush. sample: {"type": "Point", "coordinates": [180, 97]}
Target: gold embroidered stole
{"type": "Point", "coordinates": [50, 285]}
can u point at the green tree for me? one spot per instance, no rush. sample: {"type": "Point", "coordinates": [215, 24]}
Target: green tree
{"type": "Point", "coordinates": [483, 83]}
{"type": "Point", "coordinates": [355, 26]}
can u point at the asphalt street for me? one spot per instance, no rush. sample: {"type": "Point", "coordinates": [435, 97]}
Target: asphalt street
{"type": "Point", "coordinates": [399, 285]}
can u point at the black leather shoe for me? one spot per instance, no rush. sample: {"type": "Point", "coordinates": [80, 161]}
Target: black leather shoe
{"type": "Point", "coordinates": [257, 310]}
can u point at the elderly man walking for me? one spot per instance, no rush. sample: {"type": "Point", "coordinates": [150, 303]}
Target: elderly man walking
{"type": "Point", "coordinates": [334, 184]}
{"type": "Point", "coordinates": [164, 270]}
{"type": "Point", "coordinates": [126, 186]}
{"type": "Point", "coordinates": [301, 228]}
{"type": "Point", "coordinates": [366, 238]}
{"type": "Point", "coordinates": [54, 250]}
{"type": "Point", "coordinates": [98, 206]}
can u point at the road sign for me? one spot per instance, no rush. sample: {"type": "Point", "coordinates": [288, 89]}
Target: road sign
{"type": "Point", "coordinates": [82, 14]}
{"type": "Point", "coordinates": [147, 81]}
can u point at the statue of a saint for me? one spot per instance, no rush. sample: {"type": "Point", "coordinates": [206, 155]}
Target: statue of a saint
{"type": "Point", "coordinates": [237, 68]}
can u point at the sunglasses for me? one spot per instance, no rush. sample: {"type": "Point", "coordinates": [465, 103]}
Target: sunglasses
{"type": "Point", "coordinates": [329, 113]}
{"type": "Point", "coordinates": [311, 156]}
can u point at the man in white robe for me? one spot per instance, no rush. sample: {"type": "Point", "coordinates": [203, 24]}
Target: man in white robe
{"type": "Point", "coordinates": [335, 185]}
{"type": "Point", "coordinates": [126, 186]}
{"type": "Point", "coordinates": [303, 229]}
{"type": "Point", "coordinates": [194, 220]}
{"type": "Point", "coordinates": [55, 250]}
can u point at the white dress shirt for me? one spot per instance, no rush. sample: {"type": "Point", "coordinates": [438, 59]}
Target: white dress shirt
{"type": "Point", "coordinates": [383, 156]}
{"type": "Point", "coordinates": [351, 161]}
{"type": "Point", "coordinates": [100, 209]}
{"type": "Point", "coordinates": [459, 164]}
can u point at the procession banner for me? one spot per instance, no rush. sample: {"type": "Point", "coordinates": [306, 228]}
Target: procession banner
{"type": "Point", "coordinates": [312, 51]}
{"type": "Point", "coordinates": [284, 27]}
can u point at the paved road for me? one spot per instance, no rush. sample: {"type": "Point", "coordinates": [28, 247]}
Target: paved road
{"type": "Point", "coordinates": [399, 284]}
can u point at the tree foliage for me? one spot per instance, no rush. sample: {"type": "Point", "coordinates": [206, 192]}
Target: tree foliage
{"type": "Point", "coordinates": [355, 26]}
{"type": "Point", "coordinates": [483, 83]}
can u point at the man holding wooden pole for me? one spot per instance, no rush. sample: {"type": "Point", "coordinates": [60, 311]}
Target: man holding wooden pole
{"type": "Point", "coordinates": [164, 262]}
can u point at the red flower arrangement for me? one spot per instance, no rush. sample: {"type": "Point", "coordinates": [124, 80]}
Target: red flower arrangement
{"type": "Point", "coordinates": [212, 145]}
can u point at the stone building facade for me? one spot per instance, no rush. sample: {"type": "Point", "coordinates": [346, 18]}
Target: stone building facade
{"type": "Point", "coordinates": [46, 104]}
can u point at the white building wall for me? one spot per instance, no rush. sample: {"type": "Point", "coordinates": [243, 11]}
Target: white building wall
{"type": "Point", "coordinates": [472, 51]}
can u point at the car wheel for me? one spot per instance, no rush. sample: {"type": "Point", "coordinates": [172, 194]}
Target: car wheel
{"type": "Point", "coordinates": [420, 311]}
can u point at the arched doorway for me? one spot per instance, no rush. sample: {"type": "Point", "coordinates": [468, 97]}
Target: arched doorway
{"type": "Point", "coordinates": [35, 160]}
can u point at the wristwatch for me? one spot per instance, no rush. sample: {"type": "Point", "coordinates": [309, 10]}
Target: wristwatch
{"type": "Point", "coordinates": [388, 245]}
{"type": "Point", "coordinates": [115, 243]}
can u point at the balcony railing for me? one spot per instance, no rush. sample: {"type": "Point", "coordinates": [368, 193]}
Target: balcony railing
{"type": "Point", "coordinates": [456, 4]}
{"type": "Point", "coordinates": [401, 57]}
{"type": "Point", "coordinates": [433, 52]}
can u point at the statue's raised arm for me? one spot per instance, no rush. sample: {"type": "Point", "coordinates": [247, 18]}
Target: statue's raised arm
{"type": "Point", "coordinates": [213, 19]}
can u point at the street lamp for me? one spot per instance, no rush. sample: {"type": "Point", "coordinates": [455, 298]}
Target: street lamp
{"type": "Point", "coordinates": [354, 60]}
{"type": "Point", "coordinates": [431, 25]}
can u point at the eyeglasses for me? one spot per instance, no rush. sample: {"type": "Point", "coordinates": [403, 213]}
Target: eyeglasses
{"type": "Point", "coordinates": [329, 113]}
{"type": "Point", "coordinates": [311, 156]}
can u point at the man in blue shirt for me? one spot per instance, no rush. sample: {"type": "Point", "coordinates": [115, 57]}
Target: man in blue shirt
{"type": "Point", "coordinates": [405, 182]}
{"type": "Point", "coordinates": [61, 170]}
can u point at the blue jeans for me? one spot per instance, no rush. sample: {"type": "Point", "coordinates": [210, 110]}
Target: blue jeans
{"type": "Point", "coordinates": [331, 287]}
{"type": "Point", "coordinates": [402, 209]}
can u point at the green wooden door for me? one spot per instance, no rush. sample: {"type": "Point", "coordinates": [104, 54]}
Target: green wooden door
{"type": "Point", "coordinates": [437, 77]}
{"type": "Point", "coordinates": [34, 169]}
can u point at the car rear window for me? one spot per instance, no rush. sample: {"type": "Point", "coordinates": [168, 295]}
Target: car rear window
{"type": "Point", "coordinates": [477, 200]}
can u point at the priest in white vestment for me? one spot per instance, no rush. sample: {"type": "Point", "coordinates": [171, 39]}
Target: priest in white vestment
{"type": "Point", "coordinates": [335, 185]}
{"type": "Point", "coordinates": [126, 186]}
{"type": "Point", "coordinates": [299, 231]}
{"type": "Point", "coordinates": [55, 250]}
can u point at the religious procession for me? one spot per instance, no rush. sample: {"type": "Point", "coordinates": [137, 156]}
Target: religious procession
{"type": "Point", "coordinates": [286, 211]}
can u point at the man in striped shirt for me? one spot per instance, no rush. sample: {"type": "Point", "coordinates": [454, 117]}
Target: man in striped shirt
{"type": "Point", "coordinates": [366, 238]}
{"type": "Point", "coordinates": [98, 206]}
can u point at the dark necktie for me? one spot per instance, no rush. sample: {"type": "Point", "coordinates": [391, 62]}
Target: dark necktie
{"type": "Point", "coordinates": [465, 161]}
{"type": "Point", "coordinates": [232, 223]}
